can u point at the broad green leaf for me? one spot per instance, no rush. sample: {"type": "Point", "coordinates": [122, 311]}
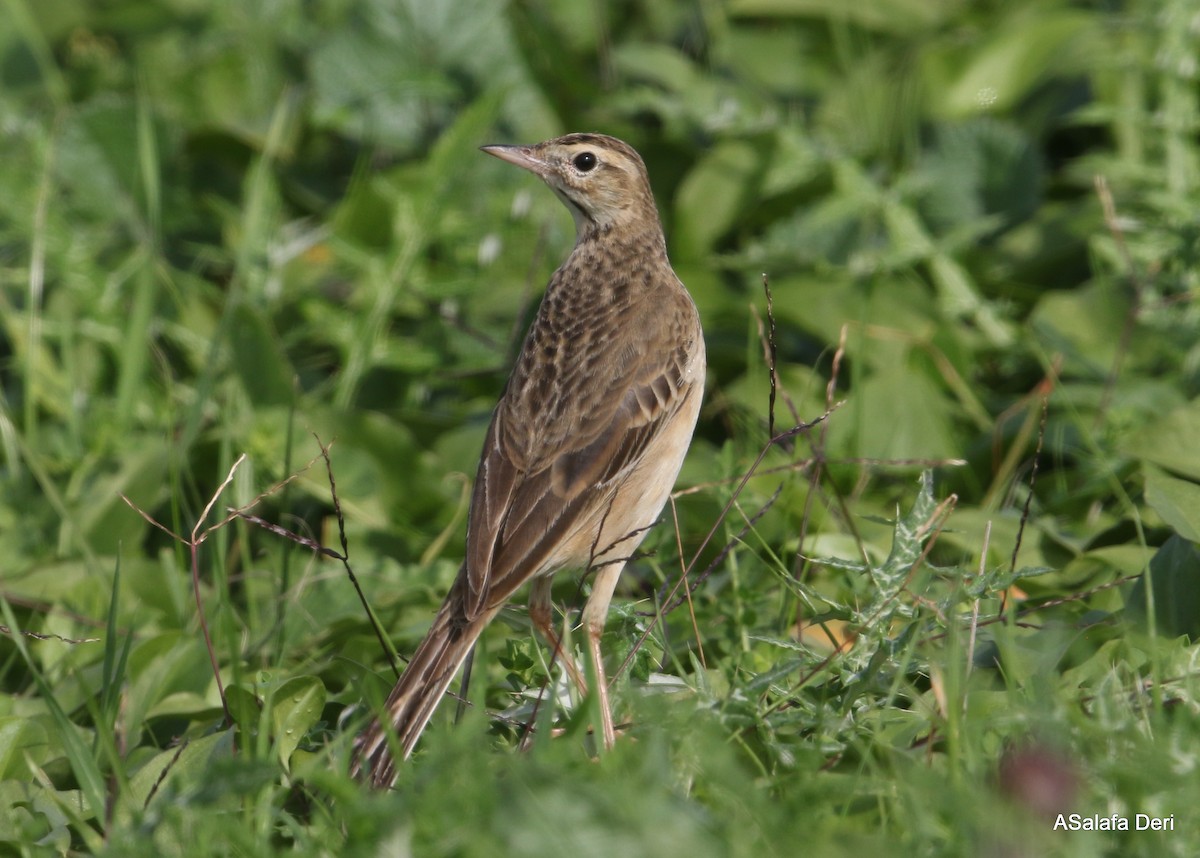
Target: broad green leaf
{"type": "Point", "coordinates": [1013, 59]}
{"type": "Point", "coordinates": [1171, 442]}
{"type": "Point", "coordinates": [897, 413]}
{"type": "Point", "coordinates": [245, 707]}
{"type": "Point", "coordinates": [295, 707]}
{"type": "Point", "coordinates": [1174, 592]}
{"type": "Point", "coordinates": [186, 767]}
{"type": "Point", "coordinates": [82, 761]}
{"type": "Point", "coordinates": [95, 164]}
{"type": "Point", "coordinates": [661, 64]}
{"type": "Point", "coordinates": [104, 519]}
{"type": "Point", "coordinates": [398, 71]}
{"type": "Point", "coordinates": [173, 662]}
{"type": "Point", "coordinates": [186, 704]}
{"type": "Point", "coordinates": [755, 50]}
{"type": "Point", "coordinates": [258, 360]}
{"type": "Point", "coordinates": [1084, 324]}
{"type": "Point", "coordinates": [1177, 501]}
{"type": "Point", "coordinates": [27, 815]}
{"type": "Point", "coordinates": [715, 192]}
{"type": "Point", "coordinates": [981, 169]}
{"type": "Point", "coordinates": [17, 735]}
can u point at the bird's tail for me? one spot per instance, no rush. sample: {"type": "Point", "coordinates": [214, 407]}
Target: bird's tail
{"type": "Point", "coordinates": [417, 693]}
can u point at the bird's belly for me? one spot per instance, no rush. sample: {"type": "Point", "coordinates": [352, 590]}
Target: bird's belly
{"type": "Point", "coordinates": [614, 531]}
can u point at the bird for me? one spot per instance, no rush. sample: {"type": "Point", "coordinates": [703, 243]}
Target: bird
{"type": "Point", "coordinates": [585, 443]}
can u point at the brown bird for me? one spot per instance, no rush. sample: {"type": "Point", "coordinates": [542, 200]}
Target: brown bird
{"type": "Point", "coordinates": [586, 441]}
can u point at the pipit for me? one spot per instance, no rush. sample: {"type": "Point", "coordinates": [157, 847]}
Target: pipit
{"type": "Point", "coordinates": [586, 441]}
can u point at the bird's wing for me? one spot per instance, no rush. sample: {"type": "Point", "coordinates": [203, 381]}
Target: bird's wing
{"type": "Point", "coordinates": [525, 504]}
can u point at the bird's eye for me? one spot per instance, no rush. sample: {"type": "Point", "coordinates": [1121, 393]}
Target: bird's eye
{"type": "Point", "coordinates": [584, 162]}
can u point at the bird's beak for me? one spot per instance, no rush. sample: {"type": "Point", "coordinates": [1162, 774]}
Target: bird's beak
{"type": "Point", "coordinates": [522, 156]}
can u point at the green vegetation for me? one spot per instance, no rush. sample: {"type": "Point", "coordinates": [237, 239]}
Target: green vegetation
{"type": "Point", "coordinates": [960, 604]}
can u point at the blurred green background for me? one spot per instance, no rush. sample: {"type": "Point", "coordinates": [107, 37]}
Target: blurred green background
{"type": "Point", "coordinates": [227, 226]}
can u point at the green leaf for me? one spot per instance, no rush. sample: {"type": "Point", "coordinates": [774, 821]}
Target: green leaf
{"type": "Point", "coordinates": [104, 519]}
{"type": "Point", "coordinates": [260, 363]}
{"type": "Point", "coordinates": [714, 193]}
{"type": "Point", "coordinates": [661, 64]}
{"type": "Point", "coordinates": [979, 169]}
{"type": "Point", "coordinates": [83, 763]}
{"type": "Point", "coordinates": [398, 71]}
{"type": "Point", "coordinates": [16, 735]}
{"type": "Point", "coordinates": [245, 708]}
{"type": "Point", "coordinates": [1174, 592]}
{"type": "Point", "coordinates": [95, 164]}
{"type": "Point", "coordinates": [1084, 323]}
{"type": "Point", "coordinates": [295, 707]}
{"type": "Point", "coordinates": [161, 666]}
{"type": "Point", "coordinates": [1011, 60]}
{"type": "Point", "coordinates": [1171, 442]}
{"type": "Point", "coordinates": [897, 413]}
{"type": "Point", "coordinates": [910, 534]}
{"type": "Point", "coordinates": [1177, 501]}
{"type": "Point", "coordinates": [189, 766]}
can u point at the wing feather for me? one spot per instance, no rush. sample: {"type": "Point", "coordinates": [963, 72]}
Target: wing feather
{"type": "Point", "coordinates": [523, 506]}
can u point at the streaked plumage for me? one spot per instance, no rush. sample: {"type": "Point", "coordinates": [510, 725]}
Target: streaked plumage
{"type": "Point", "coordinates": [589, 434]}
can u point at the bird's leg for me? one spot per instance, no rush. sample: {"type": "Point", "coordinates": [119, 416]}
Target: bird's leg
{"type": "Point", "coordinates": [595, 612]}
{"type": "Point", "coordinates": [541, 616]}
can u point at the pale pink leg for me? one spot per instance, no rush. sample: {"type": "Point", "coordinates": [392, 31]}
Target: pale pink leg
{"type": "Point", "coordinates": [595, 612]}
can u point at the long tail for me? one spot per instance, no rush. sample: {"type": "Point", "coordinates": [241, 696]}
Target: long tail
{"type": "Point", "coordinates": [417, 693]}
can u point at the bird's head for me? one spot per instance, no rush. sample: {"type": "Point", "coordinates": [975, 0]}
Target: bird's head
{"type": "Point", "coordinates": [600, 178]}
